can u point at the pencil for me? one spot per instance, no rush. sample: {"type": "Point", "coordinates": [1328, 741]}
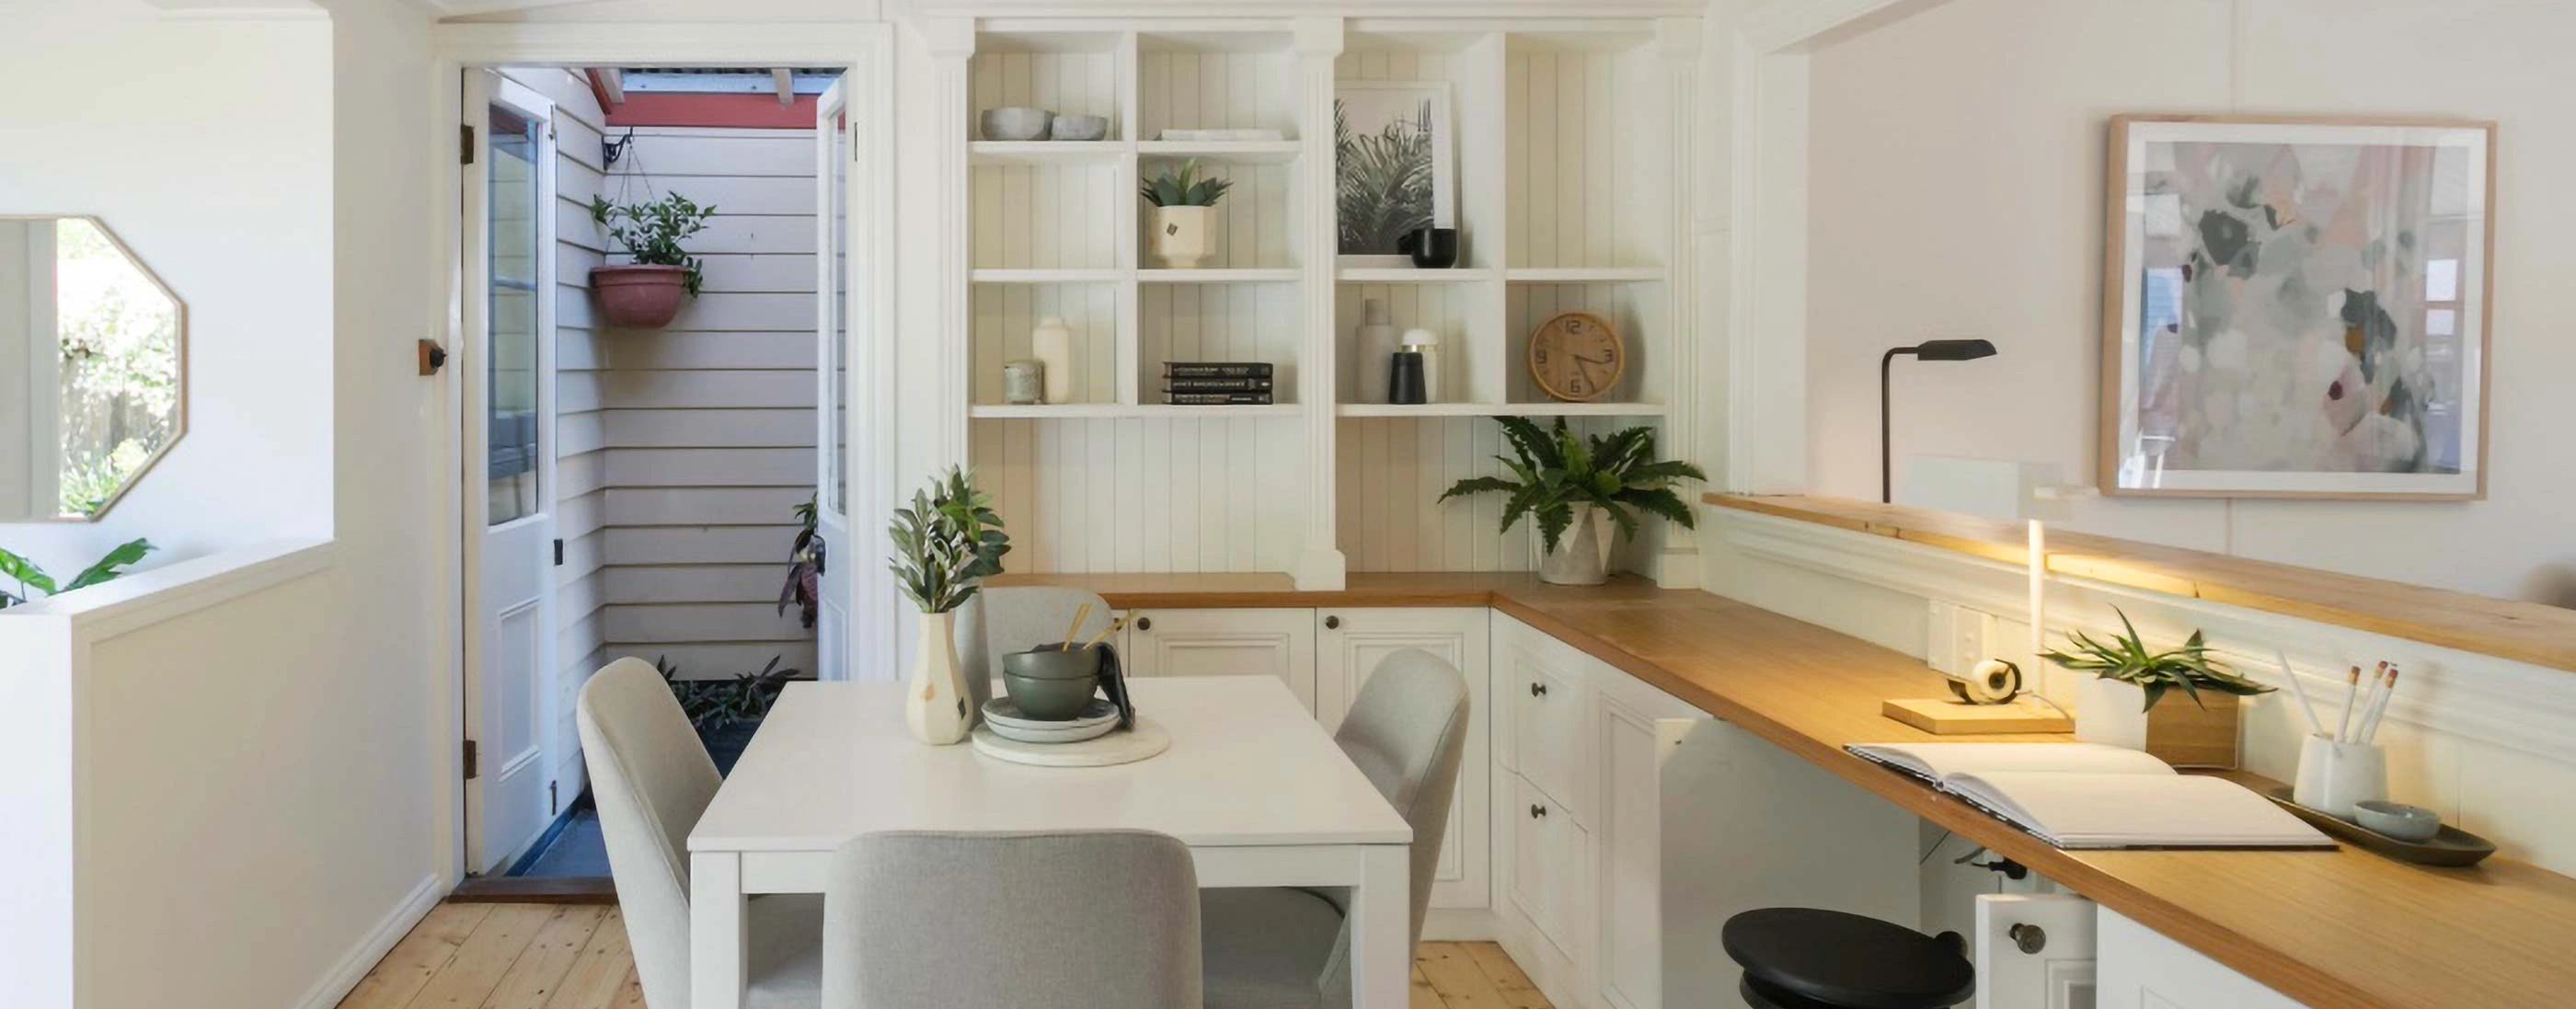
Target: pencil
{"type": "Point", "coordinates": [2299, 692]}
{"type": "Point", "coordinates": [2351, 691]}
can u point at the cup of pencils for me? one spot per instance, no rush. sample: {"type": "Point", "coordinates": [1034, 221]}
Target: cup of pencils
{"type": "Point", "coordinates": [2340, 765]}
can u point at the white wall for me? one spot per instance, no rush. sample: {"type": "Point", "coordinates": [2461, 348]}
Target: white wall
{"type": "Point", "coordinates": [1956, 180]}
{"type": "Point", "coordinates": [237, 220]}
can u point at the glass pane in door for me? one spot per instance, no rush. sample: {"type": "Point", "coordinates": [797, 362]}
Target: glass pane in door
{"type": "Point", "coordinates": [511, 442]}
{"type": "Point", "coordinates": [838, 316]}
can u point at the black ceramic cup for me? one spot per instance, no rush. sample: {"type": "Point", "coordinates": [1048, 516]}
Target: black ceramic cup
{"type": "Point", "coordinates": [1431, 248]}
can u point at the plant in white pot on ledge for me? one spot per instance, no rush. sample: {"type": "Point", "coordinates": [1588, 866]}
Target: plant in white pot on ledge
{"type": "Point", "coordinates": [1184, 219]}
{"type": "Point", "coordinates": [2121, 705]}
{"type": "Point", "coordinates": [1576, 488]}
{"type": "Point", "coordinates": [946, 544]}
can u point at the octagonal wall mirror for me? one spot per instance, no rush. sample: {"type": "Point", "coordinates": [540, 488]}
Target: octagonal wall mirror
{"type": "Point", "coordinates": [93, 369]}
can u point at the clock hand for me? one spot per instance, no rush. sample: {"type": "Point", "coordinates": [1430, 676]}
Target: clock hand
{"type": "Point", "coordinates": [1594, 360]}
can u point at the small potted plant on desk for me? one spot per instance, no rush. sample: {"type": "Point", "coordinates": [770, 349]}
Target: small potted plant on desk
{"type": "Point", "coordinates": [1184, 214]}
{"type": "Point", "coordinates": [646, 294]}
{"type": "Point", "coordinates": [1567, 483]}
{"type": "Point", "coordinates": [946, 544]}
{"type": "Point", "coordinates": [32, 579]}
{"type": "Point", "coordinates": [2122, 704]}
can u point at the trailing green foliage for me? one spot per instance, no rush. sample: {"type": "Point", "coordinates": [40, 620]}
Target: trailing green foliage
{"type": "Point", "coordinates": [804, 568]}
{"type": "Point", "coordinates": [946, 543]}
{"type": "Point", "coordinates": [2125, 658]}
{"type": "Point", "coordinates": [1382, 182]}
{"type": "Point", "coordinates": [1556, 470]}
{"type": "Point", "coordinates": [31, 578]}
{"type": "Point", "coordinates": [717, 703]}
{"type": "Point", "coordinates": [1185, 188]}
{"type": "Point", "coordinates": [652, 231]}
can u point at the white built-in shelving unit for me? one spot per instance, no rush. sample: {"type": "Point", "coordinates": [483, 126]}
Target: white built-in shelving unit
{"type": "Point", "coordinates": [1571, 194]}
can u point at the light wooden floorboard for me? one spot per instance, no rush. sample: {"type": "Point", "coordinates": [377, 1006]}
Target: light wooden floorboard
{"type": "Point", "coordinates": [558, 956]}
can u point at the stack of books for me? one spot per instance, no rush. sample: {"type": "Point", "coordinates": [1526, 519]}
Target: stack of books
{"type": "Point", "coordinates": [1214, 383]}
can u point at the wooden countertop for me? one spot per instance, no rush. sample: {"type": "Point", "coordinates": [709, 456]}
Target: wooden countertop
{"type": "Point", "coordinates": [2340, 928]}
{"type": "Point", "coordinates": [2522, 631]}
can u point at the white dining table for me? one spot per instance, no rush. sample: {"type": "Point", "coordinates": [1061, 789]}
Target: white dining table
{"type": "Point", "coordinates": [1251, 783]}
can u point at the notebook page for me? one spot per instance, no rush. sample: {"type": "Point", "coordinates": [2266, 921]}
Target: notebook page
{"type": "Point", "coordinates": [1937, 761]}
{"type": "Point", "coordinates": [2135, 811]}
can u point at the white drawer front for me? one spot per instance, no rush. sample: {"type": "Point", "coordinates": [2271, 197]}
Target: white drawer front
{"type": "Point", "coordinates": [1546, 701]}
{"type": "Point", "coordinates": [1551, 877]}
{"type": "Point", "coordinates": [1277, 643]}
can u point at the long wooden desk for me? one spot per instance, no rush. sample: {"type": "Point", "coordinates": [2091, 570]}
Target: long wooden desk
{"type": "Point", "coordinates": [2341, 928]}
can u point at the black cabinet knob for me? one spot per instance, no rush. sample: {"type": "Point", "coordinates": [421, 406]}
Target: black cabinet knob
{"type": "Point", "coordinates": [1144, 623]}
{"type": "Point", "coordinates": [1538, 689]}
{"type": "Point", "coordinates": [1537, 811]}
{"type": "Point", "coordinates": [1332, 623]}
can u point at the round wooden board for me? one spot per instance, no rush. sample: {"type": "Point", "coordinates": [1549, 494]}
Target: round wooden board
{"type": "Point", "coordinates": [1145, 740]}
{"type": "Point", "coordinates": [1565, 377]}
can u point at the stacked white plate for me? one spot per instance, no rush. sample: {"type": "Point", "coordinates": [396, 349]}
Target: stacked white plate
{"type": "Point", "coordinates": [1006, 721]}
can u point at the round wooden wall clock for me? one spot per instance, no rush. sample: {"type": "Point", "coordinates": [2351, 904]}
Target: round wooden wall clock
{"type": "Point", "coordinates": [1577, 357]}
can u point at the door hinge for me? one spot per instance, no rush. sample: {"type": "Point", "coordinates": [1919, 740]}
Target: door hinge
{"type": "Point", "coordinates": [553, 805]}
{"type": "Point", "coordinates": [470, 766]}
{"type": "Point", "coordinates": [558, 553]}
{"type": "Point", "coordinates": [465, 144]}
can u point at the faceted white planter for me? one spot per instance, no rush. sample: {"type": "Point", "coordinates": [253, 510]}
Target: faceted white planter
{"type": "Point", "coordinates": [1582, 556]}
{"type": "Point", "coordinates": [1184, 237]}
{"type": "Point", "coordinates": [934, 705]}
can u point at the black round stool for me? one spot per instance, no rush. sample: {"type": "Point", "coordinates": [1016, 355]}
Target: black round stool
{"type": "Point", "coordinates": [1809, 958]}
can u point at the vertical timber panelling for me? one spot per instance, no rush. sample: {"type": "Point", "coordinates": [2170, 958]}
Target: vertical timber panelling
{"type": "Point", "coordinates": [580, 458]}
{"type": "Point", "coordinates": [1131, 494]}
{"type": "Point", "coordinates": [1004, 314]}
{"type": "Point", "coordinates": [1392, 473]}
{"type": "Point", "coordinates": [709, 423]}
{"type": "Point", "coordinates": [1584, 188]}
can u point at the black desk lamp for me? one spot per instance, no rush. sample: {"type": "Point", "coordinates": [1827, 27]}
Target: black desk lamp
{"type": "Point", "coordinates": [1928, 350]}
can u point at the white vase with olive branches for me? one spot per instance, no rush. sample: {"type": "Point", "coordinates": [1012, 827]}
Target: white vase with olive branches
{"type": "Point", "coordinates": [946, 543]}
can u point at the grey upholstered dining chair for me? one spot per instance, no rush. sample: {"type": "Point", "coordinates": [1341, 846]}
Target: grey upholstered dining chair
{"type": "Point", "coordinates": [652, 779]}
{"type": "Point", "coordinates": [1288, 948]}
{"type": "Point", "coordinates": [939, 920]}
{"type": "Point", "coordinates": [1000, 621]}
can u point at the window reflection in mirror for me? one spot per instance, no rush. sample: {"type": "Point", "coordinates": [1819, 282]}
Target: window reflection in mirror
{"type": "Point", "coordinates": [91, 369]}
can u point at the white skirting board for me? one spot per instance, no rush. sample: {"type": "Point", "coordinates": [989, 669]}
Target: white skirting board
{"type": "Point", "coordinates": [372, 947]}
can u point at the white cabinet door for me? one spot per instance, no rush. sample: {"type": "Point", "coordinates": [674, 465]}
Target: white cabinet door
{"type": "Point", "coordinates": [1349, 643]}
{"type": "Point", "coordinates": [2139, 968]}
{"type": "Point", "coordinates": [1637, 728]}
{"type": "Point", "coordinates": [1551, 872]}
{"type": "Point", "coordinates": [1278, 643]}
{"type": "Point", "coordinates": [2034, 951]}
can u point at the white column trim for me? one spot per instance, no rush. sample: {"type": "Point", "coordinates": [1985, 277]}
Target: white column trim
{"type": "Point", "coordinates": [1677, 565]}
{"type": "Point", "coordinates": [1320, 565]}
{"type": "Point", "coordinates": [951, 44]}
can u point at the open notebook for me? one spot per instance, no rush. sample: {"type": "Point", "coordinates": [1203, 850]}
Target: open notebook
{"type": "Point", "coordinates": [2085, 795]}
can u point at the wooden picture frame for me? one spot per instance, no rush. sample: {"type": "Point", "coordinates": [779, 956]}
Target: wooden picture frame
{"type": "Point", "coordinates": [2228, 375]}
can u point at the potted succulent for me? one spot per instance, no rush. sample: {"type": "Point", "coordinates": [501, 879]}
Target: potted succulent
{"type": "Point", "coordinates": [1568, 483]}
{"type": "Point", "coordinates": [946, 543]}
{"type": "Point", "coordinates": [32, 579]}
{"type": "Point", "coordinates": [1184, 218]}
{"type": "Point", "coordinates": [2121, 705]}
{"type": "Point", "coordinates": [646, 294]}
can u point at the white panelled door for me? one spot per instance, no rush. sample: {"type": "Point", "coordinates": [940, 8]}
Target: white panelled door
{"type": "Point", "coordinates": [507, 454]}
{"type": "Point", "coordinates": [833, 152]}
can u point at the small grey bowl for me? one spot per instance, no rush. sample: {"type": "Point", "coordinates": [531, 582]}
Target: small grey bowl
{"type": "Point", "coordinates": [2398, 820]}
{"type": "Point", "coordinates": [1049, 700]}
{"type": "Point", "coordinates": [1078, 127]}
{"type": "Point", "coordinates": [1054, 662]}
{"type": "Point", "coordinates": [1015, 123]}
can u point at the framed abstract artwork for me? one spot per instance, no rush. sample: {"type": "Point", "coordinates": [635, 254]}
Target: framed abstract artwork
{"type": "Point", "coordinates": [1392, 167]}
{"type": "Point", "coordinates": [2296, 307]}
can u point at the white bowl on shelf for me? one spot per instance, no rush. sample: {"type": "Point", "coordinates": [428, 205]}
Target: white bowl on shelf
{"type": "Point", "coordinates": [1012, 122]}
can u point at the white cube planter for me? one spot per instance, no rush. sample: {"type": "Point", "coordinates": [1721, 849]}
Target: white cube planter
{"type": "Point", "coordinates": [1184, 237]}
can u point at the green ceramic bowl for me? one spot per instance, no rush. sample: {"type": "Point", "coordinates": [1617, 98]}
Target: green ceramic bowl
{"type": "Point", "coordinates": [1048, 700]}
{"type": "Point", "coordinates": [1051, 662]}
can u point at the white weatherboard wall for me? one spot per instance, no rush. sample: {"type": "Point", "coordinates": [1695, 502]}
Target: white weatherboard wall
{"type": "Point", "coordinates": [708, 425]}
{"type": "Point", "coordinates": [245, 243]}
{"type": "Point", "coordinates": [1956, 180]}
{"type": "Point", "coordinates": [580, 498]}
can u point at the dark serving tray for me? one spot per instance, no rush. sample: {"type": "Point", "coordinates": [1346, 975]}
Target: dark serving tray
{"type": "Point", "coordinates": [2452, 846]}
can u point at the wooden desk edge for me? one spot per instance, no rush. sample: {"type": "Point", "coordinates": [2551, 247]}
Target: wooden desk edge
{"type": "Point", "coordinates": [1523, 598]}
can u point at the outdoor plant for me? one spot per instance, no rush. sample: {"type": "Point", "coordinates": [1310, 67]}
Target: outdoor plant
{"type": "Point", "coordinates": [652, 231]}
{"type": "Point", "coordinates": [31, 578]}
{"type": "Point", "coordinates": [718, 703]}
{"type": "Point", "coordinates": [946, 543]}
{"type": "Point", "coordinates": [2127, 659]}
{"type": "Point", "coordinates": [804, 568]}
{"type": "Point", "coordinates": [1383, 186]}
{"type": "Point", "coordinates": [1556, 470]}
{"type": "Point", "coordinates": [1184, 188]}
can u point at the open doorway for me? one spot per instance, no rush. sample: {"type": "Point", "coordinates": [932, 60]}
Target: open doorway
{"type": "Point", "coordinates": [666, 490]}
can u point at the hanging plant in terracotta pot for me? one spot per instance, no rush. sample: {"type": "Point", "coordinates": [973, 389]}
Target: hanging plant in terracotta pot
{"type": "Point", "coordinates": [647, 293]}
{"type": "Point", "coordinates": [1576, 490]}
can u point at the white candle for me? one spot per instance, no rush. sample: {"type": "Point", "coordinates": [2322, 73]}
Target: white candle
{"type": "Point", "coordinates": [2038, 563]}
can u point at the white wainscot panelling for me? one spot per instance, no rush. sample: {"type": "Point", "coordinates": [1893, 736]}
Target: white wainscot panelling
{"type": "Point", "coordinates": [1005, 314]}
{"type": "Point", "coordinates": [1217, 322]}
{"type": "Point", "coordinates": [1046, 217]}
{"type": "Point", "coordinates": [1182, 86]}
{"type": "Point", "coordinates": [1186, 494]}
{"type": "Point", "coordinates": [1391, 474]}
{"type": "Point", "coordinates": [1583, 160]}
